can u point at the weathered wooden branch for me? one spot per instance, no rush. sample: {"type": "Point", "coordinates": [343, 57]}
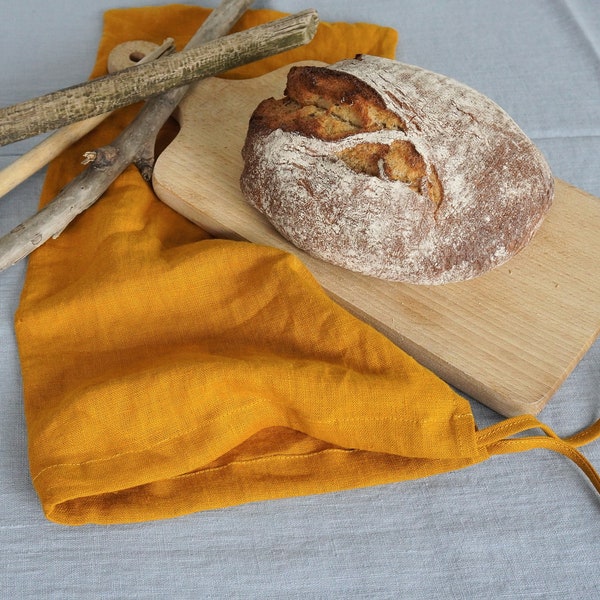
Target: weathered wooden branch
{"type": "Point", "coordinates": [84, 190]}
{"type": "Point", "coordinates": [110, 92]}
{"type": "Point", "coordinates": [41, 154]}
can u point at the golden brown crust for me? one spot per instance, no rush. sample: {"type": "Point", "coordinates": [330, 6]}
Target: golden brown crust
{"type": "Point", "coordinates": [326, 104]}
{"type": "Point", "coordinates": [398, 161]}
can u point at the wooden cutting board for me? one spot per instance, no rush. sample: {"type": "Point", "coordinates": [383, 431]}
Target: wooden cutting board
{"type": "Point", "coordinates": [508, 338]}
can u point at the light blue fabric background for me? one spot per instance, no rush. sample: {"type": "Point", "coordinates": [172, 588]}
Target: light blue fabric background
{"type": "Point", "coordinates": [521, 526]}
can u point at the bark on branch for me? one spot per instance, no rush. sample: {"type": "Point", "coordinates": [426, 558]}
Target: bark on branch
{"type": "Point", "coordinates": [110, 92]}
{"type": "Point", "coordinates": [258, 42]}
{"type": "Point", "coordinates": [40, 155]}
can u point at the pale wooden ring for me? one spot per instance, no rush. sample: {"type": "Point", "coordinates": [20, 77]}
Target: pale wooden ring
{"type": "Point", "coordinates": [129, 54]}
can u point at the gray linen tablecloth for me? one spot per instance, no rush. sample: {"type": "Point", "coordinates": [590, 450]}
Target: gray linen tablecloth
{"type": "Point", "coordinates": [519, 526]}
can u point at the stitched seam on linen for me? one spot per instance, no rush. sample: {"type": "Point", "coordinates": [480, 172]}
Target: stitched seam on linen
{"type": "Point", "coordinates": [147, 447]}
{"type": "Point", "coordinates": [462, 444]}
{"type": "Point", "coordinates": [267, 458]}
{"type": "Point", "coordinates": [233, 412]}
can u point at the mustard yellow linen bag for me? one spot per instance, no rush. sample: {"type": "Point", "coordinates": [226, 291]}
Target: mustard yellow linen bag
{"type": "Point", "coordinates": [166, 372]}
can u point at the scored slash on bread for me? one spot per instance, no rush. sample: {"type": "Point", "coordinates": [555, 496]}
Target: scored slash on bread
{"type": "Point", "coordinates": [332, 105]}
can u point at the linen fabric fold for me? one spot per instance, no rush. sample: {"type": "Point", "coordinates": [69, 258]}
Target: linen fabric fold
{"type": "Point", "coordinates": [167, 372]}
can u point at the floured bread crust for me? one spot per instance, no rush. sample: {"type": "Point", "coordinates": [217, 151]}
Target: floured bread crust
{"type": "Point", "coordinates": [395, 172]}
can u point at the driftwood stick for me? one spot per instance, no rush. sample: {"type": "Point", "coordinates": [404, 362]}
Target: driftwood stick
{"type": "Point", "coordinates": [110, 92]}
{"type": "Point", "coordinates": [41, 154]}
{"type": "Point", "coordinates": [110, 161]}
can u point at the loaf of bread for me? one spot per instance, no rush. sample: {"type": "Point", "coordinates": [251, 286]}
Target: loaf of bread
{"type": "Point", "coordinates": [394, 171]}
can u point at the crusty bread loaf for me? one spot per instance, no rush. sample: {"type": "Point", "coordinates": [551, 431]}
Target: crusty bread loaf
{"type": "Point", "coordinates": [394, 171]}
